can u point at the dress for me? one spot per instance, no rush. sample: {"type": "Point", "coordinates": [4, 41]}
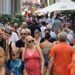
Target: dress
{"type": "Point", "coordinates": [32, 63]}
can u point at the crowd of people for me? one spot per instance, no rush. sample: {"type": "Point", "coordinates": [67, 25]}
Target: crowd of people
{"type": "Point", "coordinates": [42, 45]}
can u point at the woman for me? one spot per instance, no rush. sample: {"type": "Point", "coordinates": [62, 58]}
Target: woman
{"type": "Point", "coordinates": [71, 67]}
{"type": "Point", "coordinates": [32, 55]}
{"type": "Point", "coordinates": [9, 44]}
{"type": "Point", "coordinates": [37, 37]}
{"type": "Point", "coordinates": [3, 70]}
{"type": "Point", "coordinates": [46, 46]}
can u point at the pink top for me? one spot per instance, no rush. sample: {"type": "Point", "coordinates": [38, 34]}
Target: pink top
{"type": "Point", "coordinates": [32, 63]}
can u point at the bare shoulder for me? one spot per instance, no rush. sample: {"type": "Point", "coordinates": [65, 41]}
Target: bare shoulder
{"type": "Point", "coordinates": [38, 48]}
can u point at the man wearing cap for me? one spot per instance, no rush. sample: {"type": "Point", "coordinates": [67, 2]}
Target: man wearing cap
{"type": "Point", "coordinates": [60, 55]}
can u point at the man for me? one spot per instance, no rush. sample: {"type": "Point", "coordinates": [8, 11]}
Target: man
{"type": "Point", "coordinates": [60, 55]}
{"type": "Point", "coordinates": [53, 36]}
{"type": "Point", "coordinates": [57, 23]}
{"type": "Point", "coordinates": [21, 43]}
{"type": "Point", "coordinates": [2, 40]}
{"type": "Point", "coordinates": [14, 37]}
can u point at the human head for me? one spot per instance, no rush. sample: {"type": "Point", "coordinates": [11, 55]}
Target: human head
{"type": "Point", "coordinates": [43, 23]}
{"type": "Point", "coordinates": [2, 57]}
{"type": "Point", "coordinates": [7, 34]}
{"type": "Point", "coordinates": [49, 27]}
{"type": "Point", "coordinates": [66, 30]}
{"type": "Point", "coordinates": [57, 16]}
{"type": "Point", "coordinates": [36, 33]}
{"type": "Point", "coordinates": [47, 34]}
{"type": "Point", "coordinates": [47, 30]}
{"type": "Point", "coordinates": [62, 36]}
{"type": "Point", "coordinates": [15, 53]}
{"type": "Point", "coordinates": [51, 14]}
{"type": "Point", "coordinates": [29, 41]}
{"type": "Point", "coordinates": [15, 25]}
{"type": "Point", "coordinates": [13, 29]}
{"type": "Point", "coordinates": [24, 25]}
{"type": "Point", "coordinates": [23, 33]}
{"type": "Point", "coordinates": [28, 31]}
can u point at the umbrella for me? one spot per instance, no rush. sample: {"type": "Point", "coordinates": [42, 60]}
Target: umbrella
{"type": "Point", "coordinates": [59, 6]}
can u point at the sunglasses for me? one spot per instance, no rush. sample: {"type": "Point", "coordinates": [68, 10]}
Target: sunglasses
{"type": "Point", "coordinates": [13, 54]}
{"type": "Point", "coordinates": [30, 41]}
{"type": "Point", "coordinates": [0, 33]}
{"type": "Point", "coordinates": [23, 33]}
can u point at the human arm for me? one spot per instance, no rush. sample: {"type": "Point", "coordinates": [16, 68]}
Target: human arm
{"type": "Point", "coordinates": [23, 52]}
{"type": "Point", "coordinates": [24, 72]}
{"type": "Point", "coordinates": [52, 54]}
{"type": "Point", "coordinates": [42, 60]}
{"type": "Point", "coordinates": [50, 64]}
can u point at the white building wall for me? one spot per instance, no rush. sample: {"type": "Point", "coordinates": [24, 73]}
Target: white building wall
{"type": "Point", "coordinates": [0, 6]}
{"type": "Point", "coordinates": [8, 6]}
{"type": "Point", "coordinates": [5, 6]}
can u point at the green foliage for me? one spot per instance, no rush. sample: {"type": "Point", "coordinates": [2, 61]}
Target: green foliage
{"type": "Point", "coordinates": [17, 19]}
{"type": "Point", "coordinates": [6, 18]}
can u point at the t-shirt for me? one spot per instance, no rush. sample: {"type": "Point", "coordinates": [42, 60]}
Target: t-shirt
{"type": "Point", "coordinates": [20, 43]}
{"type": "Point", "coordinates": [16, 66]}
{"type": "Point", "coordinates": [62, 54]}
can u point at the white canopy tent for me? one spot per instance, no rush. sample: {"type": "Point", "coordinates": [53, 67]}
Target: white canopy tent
{"type": "Point", "coordinates": [59, 6]}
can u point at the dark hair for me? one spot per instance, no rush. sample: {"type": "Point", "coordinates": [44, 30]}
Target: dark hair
{"type": "Point", "coordinates": [52, 14]}
{"type": "Point", "coordinates": [44, 23]}
{"type": "Point", "coordinates": [8, 32]}
{"type": "Point", "coordinates": [47, 30]}
{"type": "Point", "coordinates": [57, 16]}
{"type": "Point", "coordinates": [47, 36]}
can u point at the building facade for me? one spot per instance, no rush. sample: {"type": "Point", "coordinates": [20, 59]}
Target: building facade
{"type": "Point", "coordinates": [9, 6]}
{"type": "Point", "coordinates": [14, 6]}
{"type": "Point", "coordinates": [48, 2]}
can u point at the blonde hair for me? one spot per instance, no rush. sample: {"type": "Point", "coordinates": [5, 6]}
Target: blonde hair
{"type": "Point", "coordinates": [15, 50]}
{"type": "Point", "coordinates": [36, 32]}
{"type": "Point", "coordinates": [26, 41]}
{"type": "Point", "coordinates": [24, 25]}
